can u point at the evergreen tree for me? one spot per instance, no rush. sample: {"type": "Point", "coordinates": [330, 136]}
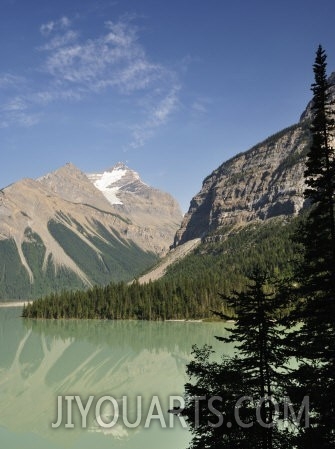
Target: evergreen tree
{"type": "Point", "coordinates": [318, 236]}
{"type": "Point", "coordinates": [254, 373]}
{"type": "Point", "coordinates": [314, 342]}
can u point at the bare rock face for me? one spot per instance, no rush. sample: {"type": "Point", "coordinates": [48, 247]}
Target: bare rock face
{"type": "Point", "coordinates": [71, 184]}
{"type": "Point", "coordinates": [156, 213]}
{"type": "Point", "coordinates": [68, 230]}
{"type": "Point", "coordinates": [264, 182]}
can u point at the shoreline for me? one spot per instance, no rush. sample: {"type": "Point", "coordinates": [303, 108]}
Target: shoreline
{"type": "Point", "coordinates": [8, 304]}
{"type": "Point", "coordinates": [15, 303]}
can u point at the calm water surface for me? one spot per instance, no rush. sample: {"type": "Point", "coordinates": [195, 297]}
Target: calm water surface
{"type": "Point", "coordinates": [41, 360]}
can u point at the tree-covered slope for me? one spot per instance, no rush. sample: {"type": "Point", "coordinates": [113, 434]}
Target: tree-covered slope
{"type": "Point", "coordinates": [105, 261]}
{"type": "Point", "coordinates": [190, 288]}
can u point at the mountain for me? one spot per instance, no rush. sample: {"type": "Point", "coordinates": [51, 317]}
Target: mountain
{"type": "Point", "coordinates": [264, 182]}
{"type": "Point", "coordinates": [239, 213]}
{"type": "Point", "coordinates": [156, 213]}
{"type": "Point", "coordinates": [62, 231]}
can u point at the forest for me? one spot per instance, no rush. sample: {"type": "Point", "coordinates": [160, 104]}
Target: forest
{"type": "Point", "coordinates": [190, 289]}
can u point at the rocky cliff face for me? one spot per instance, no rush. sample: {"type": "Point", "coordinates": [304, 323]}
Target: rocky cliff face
{"type": "Point", "coordinates": [264, 182]}
{"type": "Point", "coordinates": [61, 231]}
{"type": "Point", "coordinates": [156, 213]}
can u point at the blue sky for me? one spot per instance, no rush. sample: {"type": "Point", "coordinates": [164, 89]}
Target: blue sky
{"type": "Point", "coordinates": [171, 88]}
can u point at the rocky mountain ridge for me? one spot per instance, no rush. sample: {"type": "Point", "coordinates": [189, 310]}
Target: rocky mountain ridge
{"type": "Point", "coordinates": [264, 182]}
{"type": "Point", "coordinates": [61, 231]}
{"type": "Point", "coordinates": [141, 203]}
{"type": "Point", "coordinates": [115, 181]}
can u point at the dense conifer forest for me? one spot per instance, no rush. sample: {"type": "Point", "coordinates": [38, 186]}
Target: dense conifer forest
{"type": "Point", "coordinates": [190, 288]}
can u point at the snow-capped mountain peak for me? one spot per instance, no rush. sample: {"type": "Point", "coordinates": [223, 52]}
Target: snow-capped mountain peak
{"type": "Point", "coordinates": [117, 178]}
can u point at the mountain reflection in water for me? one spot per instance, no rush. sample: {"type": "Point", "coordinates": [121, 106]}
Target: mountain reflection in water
{"type": "Point", "coordinates": [41, 360]}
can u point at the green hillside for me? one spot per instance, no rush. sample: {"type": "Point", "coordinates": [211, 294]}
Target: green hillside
{"type": "Point", "coordinates": [118, 260]}
{"type": "Point", "coordinates": [227, 260]}
{"type": "Point", "coordinates": [190, 287]}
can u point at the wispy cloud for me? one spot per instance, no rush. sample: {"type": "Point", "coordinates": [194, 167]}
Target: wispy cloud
{"type": "Point", "coordinates": [165, 107]}
{"type": "Point", "coordinates": [47, 28]}
{"type": "Point", "coordinates": [157, 116]}
{"type": "Point", "coordinates": [16, 111]}
{"type": "Point", "coordinates": [115, 62]}
{"type": "Point", "coordinates": [199, 107]}
{"type": "Point", "coordinates": [15, 108]}
{"type": "Point", "coordinates": [15, 104]}
{"type": "Point", "coordinates": [10, 80]}
{"type": "Point", "coordinates": [60, 40]}
{"type": "Point", "coordinates": [112, 60]}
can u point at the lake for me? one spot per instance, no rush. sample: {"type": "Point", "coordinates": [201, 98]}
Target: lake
{"type": "Point", "coordinates": [132, 367]}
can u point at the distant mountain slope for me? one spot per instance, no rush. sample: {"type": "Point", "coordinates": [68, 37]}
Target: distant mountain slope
{"type": "Point", "coordinates": [60, 231]}
{"type": "Point", "coordinates": [174, 256]}
{"type": "Point", "coordinates": [157, 213]}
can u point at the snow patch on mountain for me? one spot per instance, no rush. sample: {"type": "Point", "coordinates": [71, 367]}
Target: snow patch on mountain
{"type": "Point", "coordinates": [106, 182]}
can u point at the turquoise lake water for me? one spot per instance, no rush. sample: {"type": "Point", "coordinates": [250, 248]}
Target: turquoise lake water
{"type": "Point", "coordinates": [41, 361]}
